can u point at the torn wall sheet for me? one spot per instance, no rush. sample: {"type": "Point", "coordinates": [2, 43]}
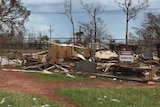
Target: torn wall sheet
{"type": "Point", "coordinates": [5, 61]}
{"type": "Point", "coordinates": [105, 54]}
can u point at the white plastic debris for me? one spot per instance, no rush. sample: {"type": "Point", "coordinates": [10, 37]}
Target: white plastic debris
{"type": "Point", "coordinates": [46, 105]}
{"type": "Point", "coordinates": [105, 96]}
{"type": "Point", "coordinates": [5, 61]}
{"type": "Point", "coordinates": [114, 79]}
{"type": "Point", "coordinates": [69, 75]}
{"type": "Point", "coordinates": [46, 72]}
{"type": "Point", "coordinates": [80, 56]}
{"type": "Point", "coordinates": [2, 101]}
{"type": "Point", "coordinates": [99, 98]}
{"type": "Point", "coordinates": [115, 100]}
{"type": "Point", "coordinates": [34, 99]}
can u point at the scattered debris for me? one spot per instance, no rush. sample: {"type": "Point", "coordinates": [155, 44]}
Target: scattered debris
{"type": "Point", "coordinates": [151, 83]}
{"type": "Point", "coordinates": [70, 59]}
{"type": "Point", "coordinates": [46, 72]}
{"type": "Point", "coordinates": [114, 79]}
{"type": "Point", "coordinates": [69, 75]}
{"type": "Point", "coordinates": [46, 105]}
{"type": "Point", "coordinates": [115, 100]}
{"type": "Point", "coordinates": [147, 56]}
{"type": "Point", "coordinates": [5, 61]}
{"type": "Point", "coordinates": [58, 51]}
{"type": "Point", "coordinates": [80, 56]}
{"type": "Point", "coordinates": [92, 76]}
{"type": "Point", "coordinates": [2, 101]}
{"type": "Point", "coordinates": [34, 99]}
{"type": "Point", "coordinates": [86, 66]}
{"type": "Point", "coordinates": [42, 56]}
{"type": "Point", "coordinates": [105, 54]}
{"type": "Point", "coordinates": [19, 70]}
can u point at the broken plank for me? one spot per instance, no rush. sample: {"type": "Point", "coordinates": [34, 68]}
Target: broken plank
{"type": "Point", "coordinates": [19, 70]}
{"type": "Point", "coordinates": [49, 68]}
{"type": "Point", "coordinates": [122, 77]}
{"type": "Point", "coordinates": [62, 68]}
{"type": "Point", "coordinates": [35, 66]}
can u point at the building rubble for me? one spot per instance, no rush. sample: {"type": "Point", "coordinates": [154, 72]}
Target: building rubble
{"type": "Point", "coordinates": [71, 59]}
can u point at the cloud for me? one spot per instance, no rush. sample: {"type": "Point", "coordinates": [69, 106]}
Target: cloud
{"type": "Point", "coordinates": [113, 19]}
{"type": "Point", "coordinates": [41, 1]}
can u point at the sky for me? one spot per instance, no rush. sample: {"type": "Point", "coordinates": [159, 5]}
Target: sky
{"type": "Point", "coordinates": [45, 15]}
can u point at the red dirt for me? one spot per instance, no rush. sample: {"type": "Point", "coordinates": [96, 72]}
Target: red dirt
{"type": "Point", "coordinates": [22, 82]}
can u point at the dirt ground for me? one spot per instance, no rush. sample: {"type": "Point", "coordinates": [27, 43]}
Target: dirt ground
{"type": "Point", "coordinates": [22, 82]}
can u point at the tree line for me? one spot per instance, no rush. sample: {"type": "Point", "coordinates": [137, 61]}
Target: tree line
{"type": "Point", "coordinates": [13, 16]}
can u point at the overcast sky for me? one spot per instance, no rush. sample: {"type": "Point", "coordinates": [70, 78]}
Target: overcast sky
{"type": "Point", "coordinates": [41, 18]}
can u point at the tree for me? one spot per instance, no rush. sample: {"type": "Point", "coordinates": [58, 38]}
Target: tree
{"type": "Point", "coordinates": [79, 36]}
{"type": "Point", "coordinates": [150, 29]}
{"type": "Point", "coordinates": [12, 17]}
{"type": "Point", "coordinates": [68, 13]}
{"type": "Point", "coordinates": [133, 39]}
{"type": "Point", "coordinates": [131, 8]}
{"type": "Point", "coordinates": [57, 41]}
{"type": "Point", "coordinates": [94, 29]}
{"type": "Point", "coordinates": [36, 40]}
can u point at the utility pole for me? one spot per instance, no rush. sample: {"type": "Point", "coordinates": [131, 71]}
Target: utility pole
{"type": "Point", "coordinates": [50, 31]}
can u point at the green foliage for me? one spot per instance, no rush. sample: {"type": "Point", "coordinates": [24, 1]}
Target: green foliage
{"type": "Point", "coordinates": [8, 55]}
{"type": "Point", "coordinates": [13, 16]}
{"type": "Point", "coordinates": [11, 99]}
{"type": "Point", "coordinates": [117, 97]}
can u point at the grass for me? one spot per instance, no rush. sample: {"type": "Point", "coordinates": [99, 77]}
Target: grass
{"type": "Point", "coordinates": [112, 97]}
{"type": "Point", "coordinates": [61, 77]}
{"type": "Point", "coordinates": [8, 55]}
{"type": "Point", "coordinates": [11, 99]}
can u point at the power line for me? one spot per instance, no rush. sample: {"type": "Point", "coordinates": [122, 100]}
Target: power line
{"type": "Point", "coordinates": [48, 13]}
{"type": "Point", "coordinates": [81, 12]}
{"type": "Point", "coordinates": [74, 12]}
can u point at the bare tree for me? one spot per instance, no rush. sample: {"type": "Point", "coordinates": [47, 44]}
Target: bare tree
{"type": "Point", "coordinates": [89, 32]}
{"type": "Point", "coordinates": [68, 13]}
{"type": "Point", "coordinates": [95, 28]}
{"type": "Point", "coordinates": [131, 8]}
{"type": "Point", "coordinates": [150, 29]}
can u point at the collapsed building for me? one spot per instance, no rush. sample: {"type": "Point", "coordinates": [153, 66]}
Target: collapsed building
{"type": "Point", "coordinates": [69, 58]}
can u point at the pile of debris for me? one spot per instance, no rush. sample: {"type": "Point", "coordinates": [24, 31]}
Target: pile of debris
{"type": "Point", "coordinates": [74, 59]}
